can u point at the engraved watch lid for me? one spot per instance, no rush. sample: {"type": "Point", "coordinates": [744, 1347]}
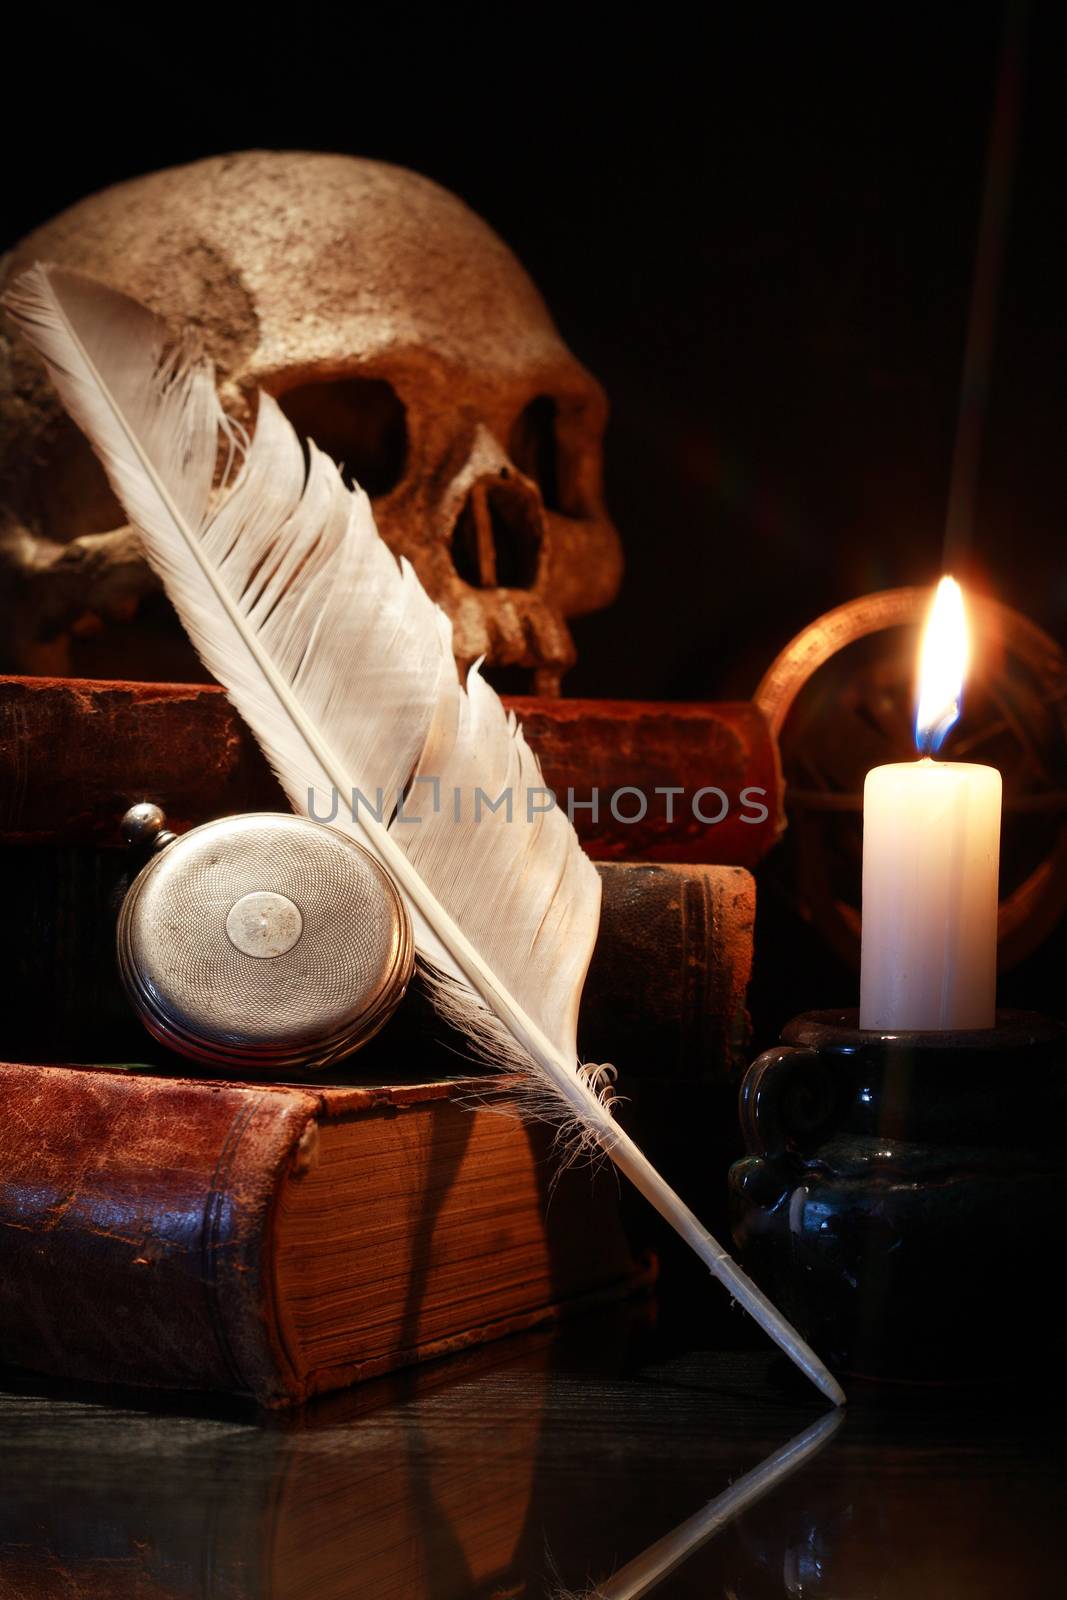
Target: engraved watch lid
{"type": "Point", "coordinates": [266, 942]}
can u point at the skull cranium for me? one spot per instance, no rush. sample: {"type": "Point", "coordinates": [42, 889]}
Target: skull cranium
{"type": "Point", "coordinates": [397, 330]}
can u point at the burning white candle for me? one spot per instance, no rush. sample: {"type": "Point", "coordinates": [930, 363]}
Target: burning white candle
{"type": "Point", "coordinates": [931, 857]}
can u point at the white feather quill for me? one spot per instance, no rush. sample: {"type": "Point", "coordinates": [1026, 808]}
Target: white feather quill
{"type": "Point", "coordinates": [342, 667]}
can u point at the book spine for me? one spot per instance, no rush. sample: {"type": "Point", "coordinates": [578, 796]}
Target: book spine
{"type": "Point", "coordinates": [667, 985]}
{"type": "Point", "coordinates": [642, 781]}
{"type": "Point", "coordinates": [133, 1215]}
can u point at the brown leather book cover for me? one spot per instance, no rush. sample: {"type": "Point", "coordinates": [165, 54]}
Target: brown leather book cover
{"type": "Point", "coordinates": [280, 1241]}
{"type": "Point", "coordinates": [75, 753]}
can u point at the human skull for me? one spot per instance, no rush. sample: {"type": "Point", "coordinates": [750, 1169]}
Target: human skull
{"type": "Point", "coordinates": [396, 330]}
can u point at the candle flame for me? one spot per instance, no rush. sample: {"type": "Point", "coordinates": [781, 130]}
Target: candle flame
{"type": "Point", "coordinates": [943, 661]}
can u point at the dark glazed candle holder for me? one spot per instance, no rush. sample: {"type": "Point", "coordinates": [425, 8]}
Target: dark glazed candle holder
{"type": "Point", "coordinates": [903, 1198]}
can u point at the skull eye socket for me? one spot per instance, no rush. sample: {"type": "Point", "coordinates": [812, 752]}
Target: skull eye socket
{"type": "Point", "coordinates": [534, 447]}
{"type": "Point", "coordinates": [360, 422]}
{"type": "Point", "coordinates": [70, 494]}
{"type": "Point", "coordinates": [543, 447]}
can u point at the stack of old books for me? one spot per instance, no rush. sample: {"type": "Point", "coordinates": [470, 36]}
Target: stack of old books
{"type": "Point", "coordinates": [281, 1240]}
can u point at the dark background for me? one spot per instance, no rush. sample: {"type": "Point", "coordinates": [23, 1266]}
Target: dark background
{"type": "Point", "coordinates": [757, 226]}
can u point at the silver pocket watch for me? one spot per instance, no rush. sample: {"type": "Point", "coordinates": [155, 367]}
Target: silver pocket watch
{"type": "Point", "coordinates": [262, 943]}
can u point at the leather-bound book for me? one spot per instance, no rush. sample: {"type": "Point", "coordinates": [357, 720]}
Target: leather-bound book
{"type": "Point", "coordinates": [278, 1241]}
{"type": "Point", "coordinates": [644, 781]}
{"type": "Point", "coordinates": [666, 992]}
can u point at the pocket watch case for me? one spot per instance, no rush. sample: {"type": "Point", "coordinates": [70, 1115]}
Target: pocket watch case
{"type": "Point", "coordinates": [262, 944]}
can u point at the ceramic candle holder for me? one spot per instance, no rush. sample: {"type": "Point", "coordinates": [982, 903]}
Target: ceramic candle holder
{"type": "Point", "coordinates": [903, 1195]}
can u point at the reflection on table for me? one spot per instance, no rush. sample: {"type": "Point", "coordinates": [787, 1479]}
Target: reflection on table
{"type": "Point", "coordinates": [604, 1457]}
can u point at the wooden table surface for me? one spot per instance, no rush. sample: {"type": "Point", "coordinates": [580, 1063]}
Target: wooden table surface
{"type": "Point", "coordinates": [542, 1466]}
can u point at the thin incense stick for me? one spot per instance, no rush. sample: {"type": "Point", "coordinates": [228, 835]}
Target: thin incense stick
{"type": "Point", "coordinates": [985, 294]}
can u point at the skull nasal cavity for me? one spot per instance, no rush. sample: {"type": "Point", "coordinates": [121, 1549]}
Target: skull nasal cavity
{"type": "Point", "coordinates": [496, 543]}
